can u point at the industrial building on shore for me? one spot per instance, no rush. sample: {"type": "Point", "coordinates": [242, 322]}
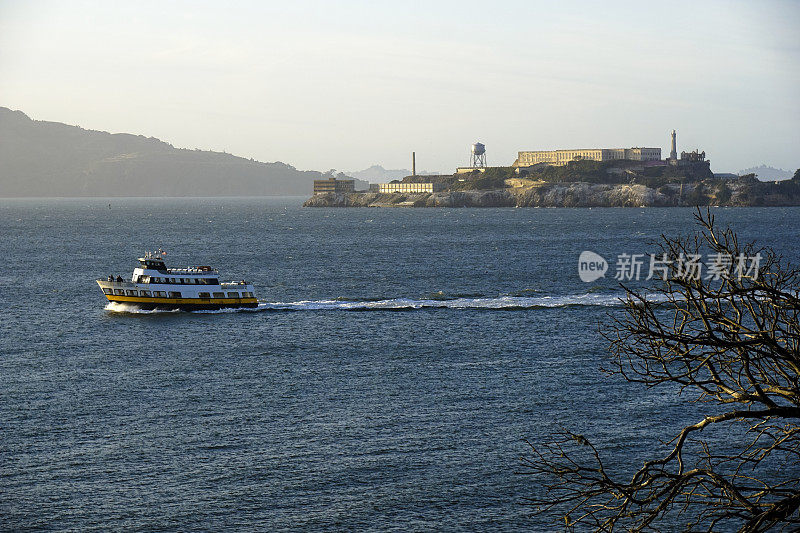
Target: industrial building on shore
{"type": "Point", "coordinates": [335, 186]}
{"type": "Point", "coordinates": [405, 187]}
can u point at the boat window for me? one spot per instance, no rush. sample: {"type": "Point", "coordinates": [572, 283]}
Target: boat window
{"type": "Point", "coordinates": [145, 293]}
{"type": "Point", "coordinates": [108, 291]}
{"type": "Point", "coordinates": [157, 265]}
{"type": "Point", "coordinates": [204, 295]}
{"type": "Point", "coordinates": [132, 293]}
{"type": "Point", "coordinates": [119, 292]}
{"type": "Point", "coordinates": [219, 295]}
{"type": "Point", "coordinates": [174, 295]}
{"type": "Point", "coordinates": [160, 294]}
{"type": "Point", "coordinates": [247, 295]}
{"type": "Point", "coordinates": [233, 295]}
{"type": "Point", "coordinates": [144, 279]}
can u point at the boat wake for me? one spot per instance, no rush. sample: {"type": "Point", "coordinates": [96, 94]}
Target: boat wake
{"type": "Point", "coordinates": [500, 303]}
{"type": "Point", "coordinates": [118, 307]}
{"type": "Point", "coordinates": [399, 304]}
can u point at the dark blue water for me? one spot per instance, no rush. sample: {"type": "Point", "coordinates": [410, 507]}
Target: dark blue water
{"type": "Point", "coordinates": [387, 382]}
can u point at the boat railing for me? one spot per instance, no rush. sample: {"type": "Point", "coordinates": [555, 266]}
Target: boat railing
{"type": "Point", "coordinates": [192, 270]}
{"type": "Point", "coordinates": [117, 283]}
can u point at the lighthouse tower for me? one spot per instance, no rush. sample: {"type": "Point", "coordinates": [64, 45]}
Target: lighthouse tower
{"type": "Point", "coordinates": [673, 154]}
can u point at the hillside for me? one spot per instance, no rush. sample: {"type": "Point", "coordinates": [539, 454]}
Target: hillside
{"type": "Point", "coordinates": [39, 158]}
{"type": "Point", "coordinates": [605, 172]}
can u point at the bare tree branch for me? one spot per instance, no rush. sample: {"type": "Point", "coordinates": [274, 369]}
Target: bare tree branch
{"type": "Point", "coordinates": [735, 343]}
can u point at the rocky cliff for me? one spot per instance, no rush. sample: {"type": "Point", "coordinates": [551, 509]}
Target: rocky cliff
{"type": "Point", "coordinates": [742, 192]}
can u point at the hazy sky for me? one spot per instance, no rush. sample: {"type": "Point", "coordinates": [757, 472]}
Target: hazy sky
{"type": "Point", "coordinates": [345, 84]}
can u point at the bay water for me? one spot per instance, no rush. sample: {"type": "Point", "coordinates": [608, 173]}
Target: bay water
{"type": "Point", "coordinates": [388, 380]}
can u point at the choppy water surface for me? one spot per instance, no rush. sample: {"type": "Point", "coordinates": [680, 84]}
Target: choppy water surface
{"type": "Point", "coordinates": [387, 380]}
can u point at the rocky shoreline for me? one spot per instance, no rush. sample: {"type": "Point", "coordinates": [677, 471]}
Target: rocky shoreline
{"type": "Point", "coordinates": [579, 194]}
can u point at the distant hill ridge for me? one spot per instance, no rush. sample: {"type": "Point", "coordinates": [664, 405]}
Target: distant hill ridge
{"type": "Point", "coordinates": [376, 174]}
{"type": "Point", "coordinates": [767, 173]}
{"type": "Point", "coordinates": [40, 158]}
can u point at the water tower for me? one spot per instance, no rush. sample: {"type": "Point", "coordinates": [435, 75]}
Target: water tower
{"type": "Point", "coordinates": [478, 156]}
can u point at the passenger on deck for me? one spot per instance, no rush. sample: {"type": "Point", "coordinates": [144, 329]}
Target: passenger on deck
{"type": "Point", "coordinates": [119, 279]}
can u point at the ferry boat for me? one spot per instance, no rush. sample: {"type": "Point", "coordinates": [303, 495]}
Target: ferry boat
{"type": "Point", "coordinates": [154, 286]}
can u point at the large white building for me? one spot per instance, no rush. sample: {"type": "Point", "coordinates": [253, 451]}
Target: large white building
{"type": "Point", "coordinates": [562, 157]}
{"type": "Point", "coordinates": [409, 187]}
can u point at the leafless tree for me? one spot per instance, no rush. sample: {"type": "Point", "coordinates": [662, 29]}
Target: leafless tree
{"type": "Point", "coordinates": [731, 343]}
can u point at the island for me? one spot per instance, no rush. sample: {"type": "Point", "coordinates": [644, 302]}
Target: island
{"type": "Point", "coordinates": [578, 183]}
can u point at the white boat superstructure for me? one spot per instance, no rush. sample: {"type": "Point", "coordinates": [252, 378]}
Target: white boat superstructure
{"type": "Point", "coordinates": [153, 285]}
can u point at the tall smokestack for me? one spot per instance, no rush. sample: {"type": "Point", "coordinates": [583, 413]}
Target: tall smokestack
{"type": "Point", "coordinates": [673, 154]}
{"type": "Point", "coordinates": [413, 163]}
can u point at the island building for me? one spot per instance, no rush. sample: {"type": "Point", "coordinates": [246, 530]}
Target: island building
{"type": "Point", "coordinates": [477, 161]}
{"type": "Point", "coordinates": [673, 153]}
{"type": "Point", "coordinates": [409, 187]}
{"type": "Point", "coordinates": [687, 158]}
{"type": "Point", "coordinates": [469, 170]}
{"type": "Point", "coordinates": [693, 156]}
{"type": "Point", "coordinates": [334, 185]}
{"type": "Point", "coordinates": [562, 157]}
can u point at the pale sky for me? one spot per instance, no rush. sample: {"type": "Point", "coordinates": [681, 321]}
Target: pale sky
{"type": "Point", "coordinates": [347, 84]}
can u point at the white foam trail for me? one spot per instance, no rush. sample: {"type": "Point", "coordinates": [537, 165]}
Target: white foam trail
{"type": "Point", "coordinates": [119, 307]}
{"type": "Point", "coordinates": [402, 304]}
{"type": "Point", "coordinates": [501, 302]}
